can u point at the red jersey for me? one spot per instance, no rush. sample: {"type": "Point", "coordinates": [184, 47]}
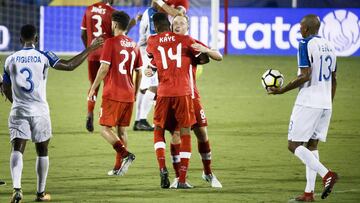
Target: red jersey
{"type": "Point", "coordinates": [123, 56]}
{"type": "Point", "coordinates": [97, 22]}
{"type": "Point", "coordinates": [196, 93]}
{"type": "Point", "coordinates": [184, 4]}
{"type": "Point", "coordinates": [172, 56]}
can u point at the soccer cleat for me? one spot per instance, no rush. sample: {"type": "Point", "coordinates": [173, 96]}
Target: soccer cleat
{"type": "Point", "coordinates": [329, 181]}
{"type": "Point", "coordinates": [17, 196]}
{"type": "Point", "coordinates": [164, 178]}
{"type": "Point", "coordinates": [115, 172]}
{"type": "Point", "coordinates": [211, 178]}
{"type": "Point", "coordinates": [175, 184]}
{"type": "Point", "coordinates": [306, 197]}
{"type": "Point", "coordinates": [90, 122]}
{"type": "Point", "coordinates": [43, 197]}
{"type": "Point", "coordinates": [126, 163]}
{"type": "Point", "coordinates": [2, 183]}
{"type": "Point", "coordinates": [143, 125]}
{"type": "Point", "coordinates": [185, 185]}
{"type": "Point", "coordinates": [135, 128]}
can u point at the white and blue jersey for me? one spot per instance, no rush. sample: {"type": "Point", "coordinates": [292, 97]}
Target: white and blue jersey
{"type": "Point", "coordinates": [147, 27]}
{"type": "Point", "coordinates": [26, 70]}
{"type": "Point", "coordinates": [318, 54]}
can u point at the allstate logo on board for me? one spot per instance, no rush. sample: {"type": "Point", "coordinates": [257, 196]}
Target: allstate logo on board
{"type": "Point", "coordinates": [342, 28]}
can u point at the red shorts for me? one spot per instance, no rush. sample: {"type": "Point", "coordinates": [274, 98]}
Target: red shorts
{"type": "Point", "coordinates": [201, 120]}
{"type": "Point", "coordinates": [93, 67]}
{"type": "Point", "coordinates": [115, 113]}
{"type": "Point", "coordinates": [174, 111]}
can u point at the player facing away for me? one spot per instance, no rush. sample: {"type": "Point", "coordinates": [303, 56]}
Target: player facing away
{"type": "Point", "coordinates": [96, 22]}
{"type": "Point", "coordinates": [310, 118]}
{"type": "Point", "coordinates": [148, 85]}
{"type": "Point", "coordinates": [180, 26]}
{"type": "Point", "coordinates": [119, 59]}
{"type": "Point", "coordinates": [171, 56]}
{"type": "Point", "coordinates": [25, 79]}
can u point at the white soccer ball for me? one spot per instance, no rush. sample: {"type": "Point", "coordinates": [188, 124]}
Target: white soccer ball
{"type": "Point", "coordinates": [272, 78]}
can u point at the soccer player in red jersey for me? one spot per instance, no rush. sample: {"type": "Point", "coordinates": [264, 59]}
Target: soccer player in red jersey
{"type": "Point", "coordinates": [119, 59]}
{"type": "Point", "coordinates": [180, 26]}
{"type": "Point", "coordinates": [171, 56]}
{"type": "Point", "coordinates": [96, 22]}
{"type": "Point", "coordinates": [173, 7]}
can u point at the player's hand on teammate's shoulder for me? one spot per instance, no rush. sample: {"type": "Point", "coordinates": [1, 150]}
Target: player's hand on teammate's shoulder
{"type": "Point", "coordinates": [200, 48]}
{"type": "Point", "coordinates": [96, 43]}
{"type": "Point", "coordinates": [275, 90]}
{"type": "Point", "coordinates": [148, 71]}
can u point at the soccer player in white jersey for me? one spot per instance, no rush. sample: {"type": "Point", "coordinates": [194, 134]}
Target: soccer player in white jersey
{"type": "Point", "coordinates": [1, 92]}
{"type": "Point", "coordinates": [310, 118]}
{"type": "Point", "coordinates": [25, 77]}
{"type": "Point", "coordinates": [148, 85]}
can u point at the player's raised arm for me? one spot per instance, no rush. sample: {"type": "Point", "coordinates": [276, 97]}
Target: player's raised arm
{"type": "Point", "coordinates": [213, 54]}
{"type": "Point", "coordinates": [71, 64]}
{"type": "Point", "coordinates": [170, 10]}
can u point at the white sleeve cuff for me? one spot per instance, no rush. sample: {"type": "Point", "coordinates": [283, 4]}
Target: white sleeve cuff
{"type": "Point", "coordinates": [106, 62]}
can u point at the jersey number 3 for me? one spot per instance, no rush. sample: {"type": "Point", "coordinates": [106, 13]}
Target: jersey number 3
{"type": "Point", "coordinates": [98, 19]}
{"type": "Point", "coordinates": [28, 80]}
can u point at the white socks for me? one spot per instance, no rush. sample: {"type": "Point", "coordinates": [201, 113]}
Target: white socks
{"type": "Point", "coordinates": [146, 104]}
{"type": "Point", "coordinates": [16, 167]}
{"type": "Point", "coordinates": [41, 167]}
{"type": "Point", "coordinates": [311, 175]}
{"type": "Point", "coordinates": [139, 99]}
{"type": "Point", "coordinates": [309, 160]}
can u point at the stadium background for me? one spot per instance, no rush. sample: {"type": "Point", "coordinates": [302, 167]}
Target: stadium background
{"type": "Point", "coordinates": [247, 127]}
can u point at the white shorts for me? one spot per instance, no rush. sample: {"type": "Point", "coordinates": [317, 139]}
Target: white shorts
{"type": "Point", "coordinates": [147, 82]}
{"type": "Point", "coordinates": [308, 123]}
{"type": "Point", "coordinates": [36, 128]}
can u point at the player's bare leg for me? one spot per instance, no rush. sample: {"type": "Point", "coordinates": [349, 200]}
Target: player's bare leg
{"type": "Point", "coordinates": [185, 155]}
{"type": "Point", "coordinates": [16, 167]}
{"type": "Point", "coordinates": [159, 146]}
{"type": "Point", "coordinates": [121, 132]}
{"type": "Point", "coordinates": [90, 114]}
{"type": "Point", "coordinates": [109, 135]}
{"type": "Point", "coordinates": [308, 158]}
{"type": "Point", "coordinates": [205, 153]}
{"type": "Point", "coordinates": [42, 168]}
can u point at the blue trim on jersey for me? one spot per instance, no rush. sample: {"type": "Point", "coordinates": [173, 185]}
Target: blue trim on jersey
{"type": "Point", "coordinates": [6, 78]}
{"type": "Point", "coordinates": [151, 12]}
{"type": "Point", "coordinates": [303, 56]}
{"type": "Point", "coordinates": [27, 48]}
{"type": "Point", "coordinates": [53, 58]}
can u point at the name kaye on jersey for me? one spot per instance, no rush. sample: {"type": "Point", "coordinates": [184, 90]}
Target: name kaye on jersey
{"type": "Point", "coordinates": [167, 39]}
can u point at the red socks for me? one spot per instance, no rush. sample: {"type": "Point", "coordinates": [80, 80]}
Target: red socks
{"type": "Point", "coordinates": [175, 157]}
{"type": "Point", "coordinates": [120, 149]}
{"type": "Point", "coordinates": [205, 152]}
{"type": "Point", "coordinates": [185, 154]}
{"type": "Point", "coordinates": [159, 146]}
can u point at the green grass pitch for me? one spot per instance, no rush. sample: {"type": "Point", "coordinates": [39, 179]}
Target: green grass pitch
{"type": "Point", "coordinates": [248, 135]}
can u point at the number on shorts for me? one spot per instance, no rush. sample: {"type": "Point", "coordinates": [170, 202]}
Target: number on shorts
{"type": "Point", "coordinates": [171, 55]}
{"type": "Point", "coordinates": [98, 19]}
{"type": "Point", "coordinates": [202, 114]}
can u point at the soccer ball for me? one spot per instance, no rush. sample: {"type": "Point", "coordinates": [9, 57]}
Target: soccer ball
{"type": "Point", "coordinates": [272, 78]}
